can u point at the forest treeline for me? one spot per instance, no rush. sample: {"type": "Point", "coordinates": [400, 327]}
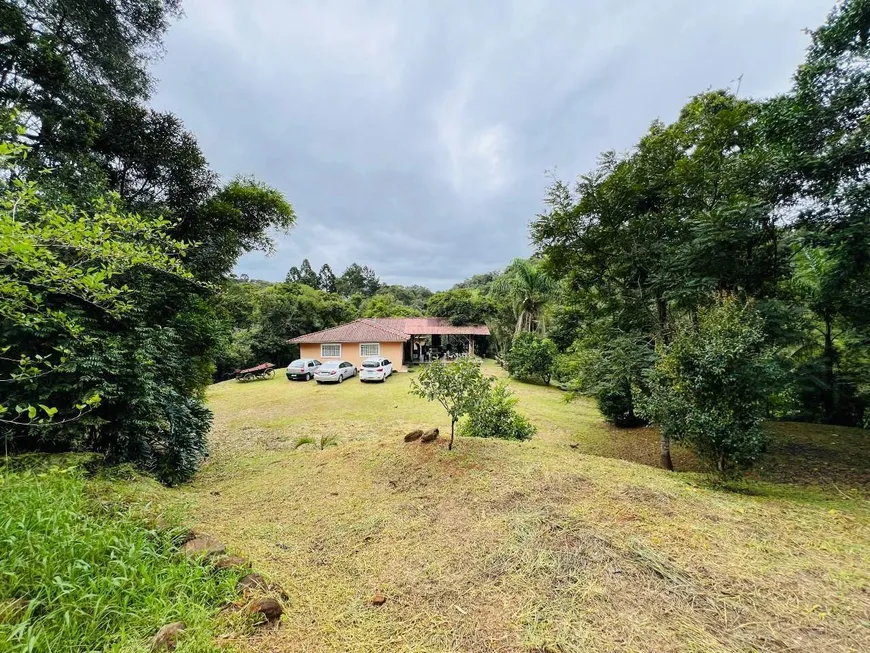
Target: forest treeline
{"type": "Point", "coordinates": [714, 275]}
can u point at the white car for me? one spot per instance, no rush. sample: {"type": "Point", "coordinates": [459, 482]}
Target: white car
{"type": "Point", "coordinates": [304, 368]}
{"type": "Point", "coordinates": [375, 369]}
{"type": "Point", "coordinates": [334, 372]}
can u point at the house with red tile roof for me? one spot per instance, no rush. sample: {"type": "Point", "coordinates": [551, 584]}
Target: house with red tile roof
{"type": "Point", "coordinates": [399, 339]}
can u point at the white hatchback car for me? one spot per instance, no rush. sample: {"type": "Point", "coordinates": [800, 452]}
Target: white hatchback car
{"type": "Point", "coordinates": [334, 372]}
{"type": "Point", "coordinates": [375, 369]}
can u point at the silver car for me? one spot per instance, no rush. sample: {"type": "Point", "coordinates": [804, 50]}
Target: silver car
{"type": "Point", "coordinates": [335, 372]}
{"type": "Point", "coordinates": [304, 368]}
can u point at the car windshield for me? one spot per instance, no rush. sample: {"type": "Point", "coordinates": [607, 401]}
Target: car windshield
{"type": "Point", "coordinates": [329, 366]}
{"type": "Point", "coordinates": [371, 363]}
{"type": "Point", "coordinates": [298, 363]}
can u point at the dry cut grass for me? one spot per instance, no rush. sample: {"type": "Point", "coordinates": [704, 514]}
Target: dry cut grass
{"type": "Point", "coordinates": [536, 546]}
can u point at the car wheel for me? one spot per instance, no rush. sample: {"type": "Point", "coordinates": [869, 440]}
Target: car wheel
{"type": "Point", "coordinates": [341, 379]}
{"type": "Point", "coordinates": [308, 377]}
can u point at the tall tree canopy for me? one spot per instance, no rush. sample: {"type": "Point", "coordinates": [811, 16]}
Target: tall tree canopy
{"type": "Point", "coordinates": [740, 200]}
{"type": "Point", "coordinates": [77, 71]}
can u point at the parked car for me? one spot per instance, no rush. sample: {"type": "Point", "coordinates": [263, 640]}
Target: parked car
{"type": "Point", "coordinates": [335, 372]}
{"type": "Point", "coordinates": [375, 369]}
{"type": "Point", "coordinates": [304, 368]}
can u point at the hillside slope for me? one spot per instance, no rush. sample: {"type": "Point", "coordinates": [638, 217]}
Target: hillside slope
{"type": "Point", "coordinates": [507, 546]}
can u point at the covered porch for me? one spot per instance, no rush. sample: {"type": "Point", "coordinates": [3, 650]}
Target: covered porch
{"type": "Point", "coordinates": [435, 339]}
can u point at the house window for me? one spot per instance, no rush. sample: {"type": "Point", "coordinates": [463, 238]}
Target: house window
{"type": "Point", "coordinates": [367, 349]}
{"type": "Point", "coordinates": [330, 351]}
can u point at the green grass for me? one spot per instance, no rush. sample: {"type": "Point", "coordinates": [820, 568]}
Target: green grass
{"type": "Point", "coordinates": [530, 546]}
{"type": "Point", "coordinates": [94, 575]}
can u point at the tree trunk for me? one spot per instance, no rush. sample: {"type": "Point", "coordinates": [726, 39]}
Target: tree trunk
{"type": "Point", "coordinates": [520, 320]}
{"type": "Point", "coordinates": [665, 453]}
{"type": "Point", "coordinates": [664, 441]}
{"type": "Point", "coordinates": [828, 397]}
{"type": "Point", "coordinates": [452, 425]}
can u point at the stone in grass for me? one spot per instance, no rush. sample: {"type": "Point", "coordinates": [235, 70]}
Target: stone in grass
{"type": "Point", "coordinates": [203, 545]}
{"type": "Point", "coordinates": [251, 582]}
{"type": "Point", "coordinates": [268, 607]}
{"type": "Point", "coordinates": [255, 583]}
{"type": "Point", "coordinates": [429, 436]}
{"type": "Point", "coordinates": [413, 435]}
{"type": "Point", "coordinates": [230, 562]}
{"type": "Point", "coordinates": [166, 638]}
{"type": "Point", "coordinates": [379, 599]}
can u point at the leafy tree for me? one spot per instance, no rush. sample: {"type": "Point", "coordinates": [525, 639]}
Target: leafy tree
{"type": "Point", "coordinates": [386, 305]}
{"type": "Point", "coordinates": [461, 306]}
{"type": "Point", "coordinates": [529, 289]}
{"type": "Point", "coordinates": [819, 134]}
{"type": "Point", "coordinates": [236, 351]}
{"type": "Point", "coordinates": [482, 282]}
{"type": "Point", "coordinates": [57, 259]}
{"type": "Point", "coordinates": [358, 279]}
{"type": "Point", "coordinates": [611, 367]}
{"type": "Point", "coordinates": [326, 280]}
{"type": "Point", "coordinates": [830, 389]}
{"type": "Point", "coordinates": [637, 242]}
{"type": "Point", "coordinates": [494, 416]}
{"type": "Point", "coordinates": [293, 275]}
{"type": "Point", "coordinates": [412, 296]}
{"type": "Point", "coordinates": [531, 357]}
{"type": "Point", "coordinates": [233, 220]}
{"type": "Point", "coordinates": [79, 72]}
{"type": "Point", "coordinates": [67, 63]}
{"type": "Point", "coordinates": [457, 386]}
{"type": "Point", "coordinates": [285, 311]}
{"type": "Point", "coordinates": [304, 274]}
{"type": "Point", "coordinates": [710, 387]}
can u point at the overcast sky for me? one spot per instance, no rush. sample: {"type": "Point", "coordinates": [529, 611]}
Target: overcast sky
{"type": "Point", "coordinates": [413, 136]}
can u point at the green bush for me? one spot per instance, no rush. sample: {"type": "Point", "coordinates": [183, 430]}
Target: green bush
{"type": "Point", "coordinates": [611, 369]}
{"type": "Point", "coordinates": [494, 416]}
{"type": "Point", "coordinates": [709, 388]}
{"type": "Point", "coordinates": [150, 415]}
{"type": "Point", "coordinates": [83, 572]}
{"type": "Point", "coordinates": [531, 357]}
{"type": "Point", "coordinates": [616, 403]}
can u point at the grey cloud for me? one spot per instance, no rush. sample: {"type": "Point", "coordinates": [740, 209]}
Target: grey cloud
{"type": "Point", "coordinates": [413, 136]}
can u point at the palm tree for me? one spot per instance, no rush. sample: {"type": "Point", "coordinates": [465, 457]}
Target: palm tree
{"type": "Point", "coordinates": [529, 289]}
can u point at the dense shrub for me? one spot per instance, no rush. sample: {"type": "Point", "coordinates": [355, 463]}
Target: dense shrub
{"type": "Point", "coordinates": [81, 574]}
{"type": "Point", "coordinates": [531, 357]}
{"type": "Point", "coordinates": [494, 416]}
{"type": "Point", "coordinates": [152, 412]}
{"type": "Point", "coordinates": [709, 388]}
{"type": "Point", "coordinates": [611, 370]}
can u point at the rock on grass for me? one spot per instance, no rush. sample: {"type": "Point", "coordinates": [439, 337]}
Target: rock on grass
{"type": "Point", "coordinates": [252, 583]}
{"type": "Point", "coordinates": [413, 435]}
{"type": "Point", "coordinates": [203, 545]}
{"type": "Point", "coordinates": [230, 562]}
{"type": "Point", "coordinates": [166, 638]}
{"type": "Point", "coordinates": [429, 436]}
{"type": "Point", "coordinates": [268, 607]}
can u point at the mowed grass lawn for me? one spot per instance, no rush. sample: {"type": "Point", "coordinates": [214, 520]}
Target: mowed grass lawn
{"type": "Point", "coordinates": [535, 546]}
